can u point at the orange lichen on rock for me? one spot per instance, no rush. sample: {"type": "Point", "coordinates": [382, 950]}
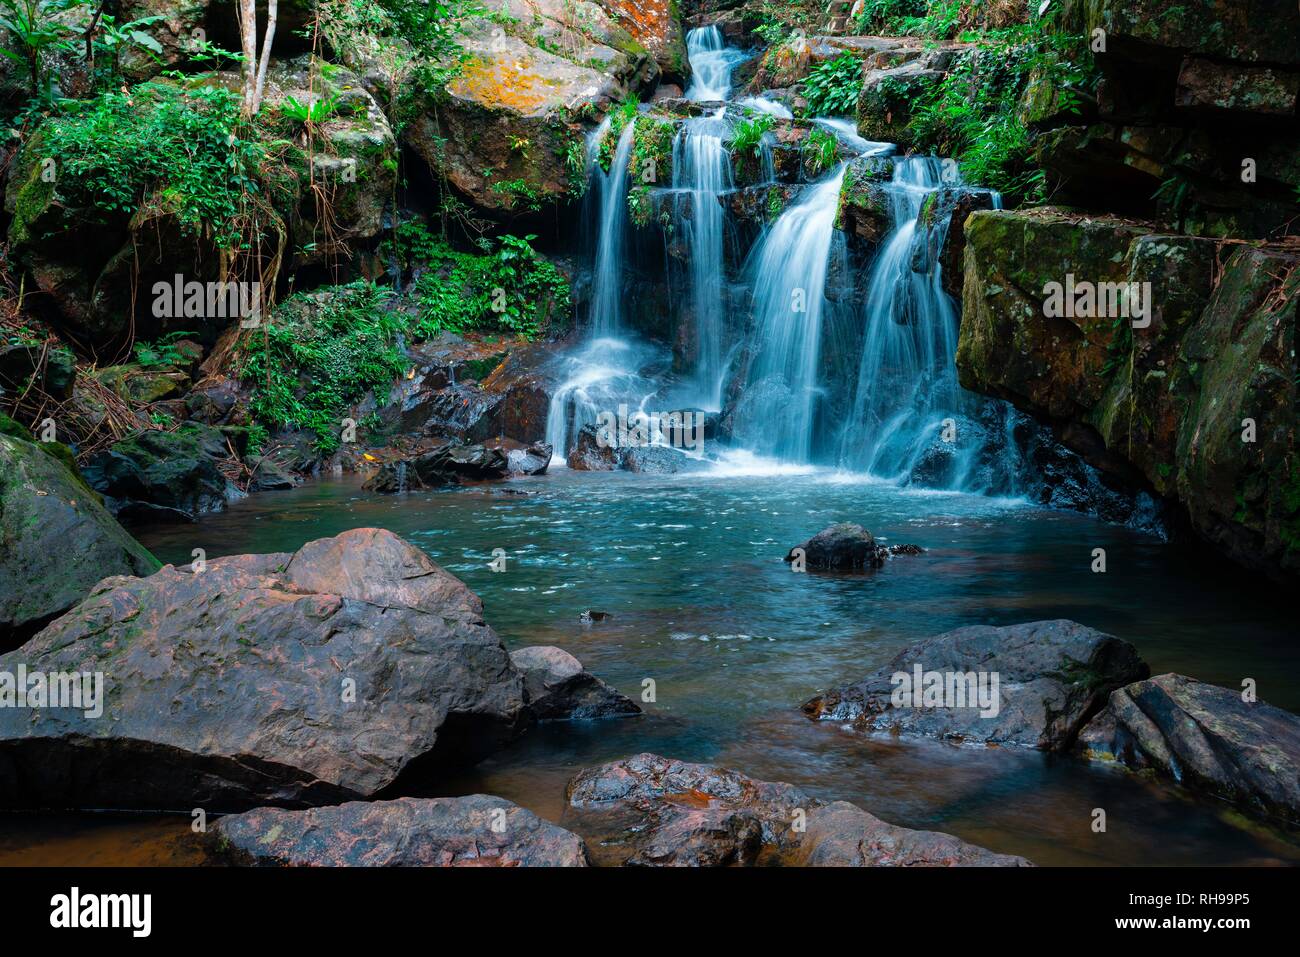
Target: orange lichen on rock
{"type": "Point", "coordinates": [649, 21]}
{"type": "Point", "coordinates": [502, 83]}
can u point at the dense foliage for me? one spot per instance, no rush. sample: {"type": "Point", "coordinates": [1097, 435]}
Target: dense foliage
{"type": "Point", "coordinates": [182, 151]}
{"type": "Point", "coordinates": [832, 87]}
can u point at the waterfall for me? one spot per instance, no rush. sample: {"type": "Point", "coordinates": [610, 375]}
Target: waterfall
{"type": "Point", "coordinates": [907, 396]}
{"type": "Point", "coordinates": [610, 192]}
{"type": "Point", "coordinates": [787, 272]}
{"type": "Point", "coordinates": [701, 173]}
{"type": "Point", "coordinates": [711, 64]}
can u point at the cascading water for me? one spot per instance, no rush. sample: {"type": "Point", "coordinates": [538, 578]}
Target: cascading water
{"type": "Point", "coordinates": [907, 396]}
{"type": "Point", "coordinates": [711, 64]}
{"type": "Point", "coordinates": [607, 280]}
{"type": "Point", "coordinates": [787, 271]}
{"type": "Point", "coordinates": [701, 173]}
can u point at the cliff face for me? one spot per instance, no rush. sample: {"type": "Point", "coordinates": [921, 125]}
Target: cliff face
{"type": "Point", "coordinates": [1193, 396]}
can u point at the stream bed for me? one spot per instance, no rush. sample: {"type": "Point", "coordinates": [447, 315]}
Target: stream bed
{"type": "Point", "coordinates": [689, 567]}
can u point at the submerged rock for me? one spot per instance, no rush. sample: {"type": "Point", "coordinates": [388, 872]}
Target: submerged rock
{"type": "Point", "coordinates": [1204, 737]}
{"type": "Point", "coordinates": [290, 679]}
{"type": "Point", "coordinates": [56, 538]}
{"type": "Point", "coordinates": [846, 547]}
{"type": "Point", "coordinates": [473, 831]}
{"type": "Point", "coordinates": [1035, 685]}
{"type": "Point", "coordinates": [653, 811]}
{"type": "Point", "coordinates": [558, 687]}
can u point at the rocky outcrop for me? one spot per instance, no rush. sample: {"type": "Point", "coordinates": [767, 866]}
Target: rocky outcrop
{"type": "Point", "coordinates": [99, 266]}
{"type": "Point", "coordinates": [1034, 685]}
{"type": "Point", "coordinates": [1207, 738]}
{"type": "Point", "coordinates": [652, 811]}
{"type": "Point", "coordinates": [533, 460]}
{"type": "Point", "coordinates": [449, 464]}
{"type": "Point", "coordinates": [557, 687]}
{"type": "Point", "coordinates": [1195, 115]}
{"type": "Point", "coordinates": [159, 474]}
{"type": "Point", "coordinates": [56, 538]}
{"type": "Point", "coordinates": [593, 452]}
{"type": "Point", "coordinates": [321, 676]}
{"type": "Point", "coordinates": [845, 547]}
{"type": "Point", "coordinates": [1192, 395]}
{"type": "Point", "coordinates": [473, 831]}
{"type": "Point", "coordinates": [509, 135]}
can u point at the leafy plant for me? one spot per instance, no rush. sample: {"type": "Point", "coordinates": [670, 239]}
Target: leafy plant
{"type": "Point", "coordinates": [832, 87]}
{"type": "Point", "coordinates": [820, 150]}
{"type": "Point", "coordinates": [163, 352]}
{"type": "Point", "coordinates": [747, 135]}
{"type": "Point", "coordinates": [34, 27]}
{"type": "Point", "coordinates": [309, 114]}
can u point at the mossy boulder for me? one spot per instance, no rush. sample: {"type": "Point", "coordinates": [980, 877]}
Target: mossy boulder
{"type": "Point", "coordinates": [165, 474]}
{"type": "Point", "coordinates": [1196, 402]}
{"type": "Point", "coordinates": [1252, 31]}
{"type": "Point", "coordinates": [888, 99]}
{"type": "Point", "coordinates": [56, 538]}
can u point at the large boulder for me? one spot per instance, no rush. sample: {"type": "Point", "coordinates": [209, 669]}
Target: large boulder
{"type": "Point", "coordinates": [508, 133]}
{"type": "Point", "coordinates": [321, 676]}
{"type": "Point", "coordinates": [1204, 737]}
{"type": "Point", "coordinates": [473, 831]}
{"type": "Point", "coordinates": [559, 688]}
{"type": "Point", "coordinates": [653, 811]}
{"type": "Point", "coordinates": [1034, 685]}
{"type": "Point", "coordinates": [1197, 402]}
{"type": "Point", "coordinates": [56, 538]}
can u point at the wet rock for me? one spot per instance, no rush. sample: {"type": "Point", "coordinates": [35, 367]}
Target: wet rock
{"type": "Point", "coordinates": [1204, 737]}
{"type": "Point", "coordinates": [52, 371]}
{"type": "Point", "coordinates": [590, 617]}
{"type": "Point", "coordinates": [449, 464]}
{"type": "Point", "coordinates": [269, 476]}
{"type": "Point", "coordinates": [1051, 677]}
{"type": "Point", "coordinates": [590, 454]}
{"type": "Point", "coordinates": [56, 538]}
{"type": "Point", "coordinates": [524, 383]}
{"type": "Point", "coordinates": [1214, 348]}
{"type": "Point", "coordinates": [161, 474]}
{"type": "Point", "coordinates": [557, 687]}
{"type": "Point", "coordinates": [321, 676]}
{"type": "Point", "coordinates": [847, 547]}
{"type": "Point", "coordinates": [534, 460]}
{"type": "Point", "coordinates": [886, 99]}
{"type": "Point", "coordinates": [653, 811]}
{"type": "Point", "coordinates": [407, 832]}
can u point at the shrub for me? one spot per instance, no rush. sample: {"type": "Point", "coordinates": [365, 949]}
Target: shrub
{"type": "Point", "coordinates": [832, 87]}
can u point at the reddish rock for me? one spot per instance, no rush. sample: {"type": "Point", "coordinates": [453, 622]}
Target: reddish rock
{"type": "Point", "coordinates": [473, 831]}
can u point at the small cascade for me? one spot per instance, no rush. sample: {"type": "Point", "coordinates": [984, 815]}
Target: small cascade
{"type": "Point", "coordinates": [711, 64]}
{"type": "Point", "coordinates": [907, 395]}
{"type": "Point", "coordinates": [401, 477]}
{"type": "Point", "coordinates": [787, 271]}
{"type": "Point", "coordinates": [701, 173]}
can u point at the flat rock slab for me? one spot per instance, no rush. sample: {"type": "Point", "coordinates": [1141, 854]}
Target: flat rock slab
{"type": "Point", "coordinates": [653, 811]}
{"type": "Point", "coordinates": [317, 677]}
{"type": "Point", "coordinates": [1206, 738]}
{"type": "Point", "coordinates": [1052, 676]}
{"type": "Point", "coordinates": [474, 831]}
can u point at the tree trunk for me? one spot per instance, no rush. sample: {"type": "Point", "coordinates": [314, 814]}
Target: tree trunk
{"type": "Point", "coordinates": [266, 54]}
{"type": "Point", "coordinates": [248, 47]}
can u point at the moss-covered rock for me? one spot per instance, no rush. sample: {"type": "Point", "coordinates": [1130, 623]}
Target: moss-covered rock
{"type": "Point", "coordinates": [888, 98]}
{"type": "Point", "coordinates": [56, 538]}
{"type": "Point", "coordinates": [1253, 31]}
{"type": "Point", "coordinates": [1197, 401]}
{"type": "Point", "coordinates": [164, 474]}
